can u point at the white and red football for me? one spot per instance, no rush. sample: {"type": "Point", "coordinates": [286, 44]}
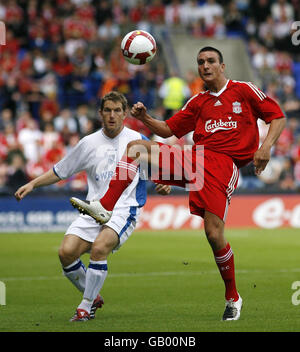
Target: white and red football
{"type": "Point", "coordinates": [138, 47]}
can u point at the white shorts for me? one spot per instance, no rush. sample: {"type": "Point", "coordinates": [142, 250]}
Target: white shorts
{"type": "Point", "coordinates": [123, 221]}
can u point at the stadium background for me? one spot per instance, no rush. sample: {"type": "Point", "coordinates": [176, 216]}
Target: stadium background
{"type": "Point", "coordinates": [62, 56]}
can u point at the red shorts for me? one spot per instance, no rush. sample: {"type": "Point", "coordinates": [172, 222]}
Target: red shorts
{"type": "Point", "coordinates": [210, 177]}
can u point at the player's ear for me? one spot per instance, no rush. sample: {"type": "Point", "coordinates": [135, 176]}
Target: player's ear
{"type": "Point", "coordinates": [126, 112]}
{"type": "Point", "coordinates": [100, 115]}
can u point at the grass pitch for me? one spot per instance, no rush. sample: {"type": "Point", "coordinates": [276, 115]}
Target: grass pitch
{"type": "Point", "coordinates": [158, 282]}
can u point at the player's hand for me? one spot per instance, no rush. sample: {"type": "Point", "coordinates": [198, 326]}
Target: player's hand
{"type": "Point", "coordinates": [138, 110]}
{"type": "Point", "coordinates": [163, 190]}
{"type": "Point", "coordinates": [23, 191]}
{"type": "Point", "coordinates": [261, 159]}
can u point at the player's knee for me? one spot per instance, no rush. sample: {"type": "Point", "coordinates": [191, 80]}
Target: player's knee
{"type": "Point", "coordinates": [100, 250]}
{"type": "Point", "coordinates": [214, 236]}
{"type": "Point", "coordinates": [66, 256]}
{"type": "Point", "coordinates": [211, 236]}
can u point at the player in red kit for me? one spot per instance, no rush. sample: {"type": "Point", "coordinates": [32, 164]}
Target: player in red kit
{"type": "Point", "coordinates": [224, 122]}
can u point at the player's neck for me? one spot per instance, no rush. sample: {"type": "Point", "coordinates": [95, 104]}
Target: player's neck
{"type": "Point", "coordinates": [112, 133]}
{"type": "Point", "coordinates": [216, 86]}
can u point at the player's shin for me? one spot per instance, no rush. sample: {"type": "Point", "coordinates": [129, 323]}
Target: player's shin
{"type": "Point", "coordinates": [76, 273]}
{"type": "Point", "coordinates": [95, 277]}
{"type": "Point", "coordinates": [225, 261]}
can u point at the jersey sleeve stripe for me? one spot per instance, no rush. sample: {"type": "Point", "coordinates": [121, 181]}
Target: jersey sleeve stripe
{"type": "Point", "coordinates": [54, 170]}
{"type": "Point", "coordinates": [186, 104]}
{"type": "Point", "coordinates": [257, 91]}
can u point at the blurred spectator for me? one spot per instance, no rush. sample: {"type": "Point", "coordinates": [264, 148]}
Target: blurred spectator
{"type": "Point", "coordinates": [11, 95]}
{"type": "Point", "coordinates": [280, 9]}
{"type": "Point", "coordinates": [266, 32]}
{"type": "Point", "coordinates": [191, 12]}
{"type": "Point", "coordinates": [174, 91]}
{"type": "Point", "coordinates": [137, 11]}
{"type": "Point", "coordinates": [30, 138]}
{"type": "Point", "coordinates": [6, 118]}
{"type": "Point", "coordinates": [264, 62]}
{"type": "Point", "coordinates": [287, 138]}
{"type": "Point", "coordinates": [286, 180]}
{"type": "Point", "coordinates": [103, 11]}
{"type": "Point", "coordinates": [108, 32]}
{"type": "Point", "coordinates": [8, 140]}
{"type": "Point", "coordinates": [260, 10]}
{"type": "Point", "coordinates": [83, 118]}
{"type": "Point", "coordinates": [156, 12]}
{"type": "Point", "coordinates": [211, 11]}
{"type": "Point", "coordinates": [173, 13]}
{"type": "Point", "coordinates": [50, 138]}
{"type": "Point", "coordinates": [4, 189]}
{"type": "Point", "coordinates": [233, 19]}
{"type": "Point", "coordinates": [118, 12]}
{"type": "Point", "coordinates": [17, 175]}
{"type": "Point", "coordinates": [289, 100]}
{"type": "Point", "coordinates": [65, 122]}
{"type": "Point", "coordinates": [296, 159]}
{"type": "Point", "coordinates": [195, 83]}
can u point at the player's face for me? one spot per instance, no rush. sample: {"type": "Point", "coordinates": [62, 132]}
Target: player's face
{"type": "Point", "coordinates": [113, 116]}
{"type": "Point", "coordinates": [209, 67]}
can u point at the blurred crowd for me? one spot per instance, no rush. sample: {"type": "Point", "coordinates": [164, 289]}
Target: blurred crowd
{"type": "Point", "coordinates": [62, 56]}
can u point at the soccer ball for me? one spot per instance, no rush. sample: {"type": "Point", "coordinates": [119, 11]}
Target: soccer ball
{"type": "Point", "coordinates": [138, 47]}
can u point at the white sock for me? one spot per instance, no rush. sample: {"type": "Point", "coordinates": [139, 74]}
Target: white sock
{"type": "Point", "coordinates": [95, 276]}
{"type": "Point", "coordinates": [76, 273]}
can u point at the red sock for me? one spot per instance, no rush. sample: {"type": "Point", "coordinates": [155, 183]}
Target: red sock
{"type": "Point", "coordinates": [225, 262]}
{"type": "Point", "coordinates": [125, 172]}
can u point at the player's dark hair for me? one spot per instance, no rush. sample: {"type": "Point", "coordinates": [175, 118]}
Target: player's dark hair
{"type": "Point", "coordinates": [114, 96]}
{"type": "Point", "coordinates": [210, 48]}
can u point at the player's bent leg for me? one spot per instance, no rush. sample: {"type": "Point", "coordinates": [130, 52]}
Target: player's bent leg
{"type": "Point", "coordinates": [72, 247]}
{"type": "Point", "coordinates": [107, 240]}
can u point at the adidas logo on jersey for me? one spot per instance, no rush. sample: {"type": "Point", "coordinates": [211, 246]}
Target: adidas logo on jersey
{"type": "Point", "coordinates": [217, 103]}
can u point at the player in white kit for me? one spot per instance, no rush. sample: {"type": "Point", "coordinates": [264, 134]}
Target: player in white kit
{"type": "Point", "coordinates": [98, 155]}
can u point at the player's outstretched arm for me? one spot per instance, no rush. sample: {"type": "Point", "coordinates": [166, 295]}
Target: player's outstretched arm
{"type": "Point", "coordinates": [157, 127]}
{"type": "Point", "coordinates": [48, 178]}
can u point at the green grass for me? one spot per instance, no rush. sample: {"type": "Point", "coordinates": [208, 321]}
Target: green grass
{"type": "Point", "coordinates": [159, 281]}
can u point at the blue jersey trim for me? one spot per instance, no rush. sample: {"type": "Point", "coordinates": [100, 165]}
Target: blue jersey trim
{"type": "Point", "coordinates": [75, 267]}
{"type": "Point", "coordinates": [141, 193]}
{"type": "Point", "coordinates": [141, 188]}
{"type": "Point", "coordinates": [144, 137]}
{"type": "Point", "coordinates": [55, 172]}
{"type": "Point", "coordinates": [98, 266]}
{"type": "Point", "coordinates": [130, 219]}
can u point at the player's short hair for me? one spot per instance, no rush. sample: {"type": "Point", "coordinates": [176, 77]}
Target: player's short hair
{"type": "Point", "coordinates": [210, 48]}
{"type": "Point", "coordinates": [114, 96]}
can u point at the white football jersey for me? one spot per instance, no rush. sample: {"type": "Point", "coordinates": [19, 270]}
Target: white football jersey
{"type": "Point", "coordinates": [98, 155]}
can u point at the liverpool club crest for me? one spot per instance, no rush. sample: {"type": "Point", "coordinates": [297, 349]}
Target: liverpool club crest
{"type": "Point", "coordinates": [236, 107]}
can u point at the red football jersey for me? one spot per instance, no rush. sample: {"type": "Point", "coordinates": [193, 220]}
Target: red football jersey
{"type": "Point", "coordinates": [226, 122]}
